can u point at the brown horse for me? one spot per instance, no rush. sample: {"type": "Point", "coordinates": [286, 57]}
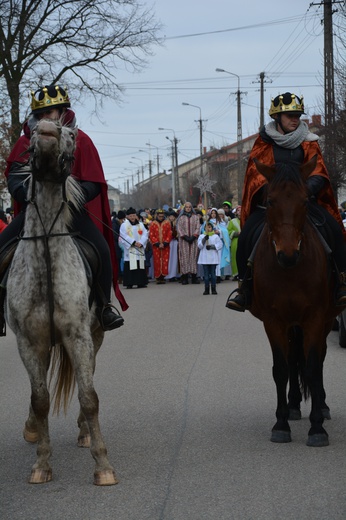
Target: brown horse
{"type": "Point", "coordinates": [293, 296]}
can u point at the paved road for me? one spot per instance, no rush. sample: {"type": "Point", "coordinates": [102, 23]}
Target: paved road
{"type": "Point", "coordinates": [187, 404]}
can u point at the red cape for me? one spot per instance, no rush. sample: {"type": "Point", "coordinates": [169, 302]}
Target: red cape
{"type": "Point", "coordinates": [87, 167]}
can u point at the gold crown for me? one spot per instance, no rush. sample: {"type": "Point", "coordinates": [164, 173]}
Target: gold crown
{"type": "Point", "coordinates": [286, 103]}
{"type": "Point", "coordinates": [52, 96]}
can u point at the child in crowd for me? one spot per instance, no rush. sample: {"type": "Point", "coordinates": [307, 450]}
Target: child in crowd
{"type": "Point", "coordinates": [209, 243]}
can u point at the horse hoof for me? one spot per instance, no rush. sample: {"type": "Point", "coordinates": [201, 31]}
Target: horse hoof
{"type": "Point", "coordinates": [294, 414]}
{"type": "Point", "coordinates": [84, 441]}
{"type": "Point", "coordinates": [30, 435]}
{"type": "Point", "coordinates": [280, 436]}
{"type": "Point", "coordinates": [40, 476]}
{"type": "Point", "coordinates": [326, 414]}
{"type": "Point", "coordinates": [105, 478]}
{"type": "Point", "coordinates": [318, 440]}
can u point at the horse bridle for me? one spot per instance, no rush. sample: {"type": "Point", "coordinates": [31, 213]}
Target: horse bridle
{"type": "Point", "coordinates": [66, 168]}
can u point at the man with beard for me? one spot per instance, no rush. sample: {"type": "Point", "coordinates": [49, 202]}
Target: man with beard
{"type": "Point", "coordinates": [160, 235]}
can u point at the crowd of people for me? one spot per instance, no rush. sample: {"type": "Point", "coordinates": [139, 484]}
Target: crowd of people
{"type": "Point", "coordinates": [185, 245]}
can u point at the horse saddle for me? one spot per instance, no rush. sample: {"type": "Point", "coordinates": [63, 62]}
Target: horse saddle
{"type": "Point", "coordinates": [91, 258]}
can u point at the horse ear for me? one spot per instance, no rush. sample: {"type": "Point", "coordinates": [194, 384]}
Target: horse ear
{"type": "Point", "coordinates": [267, 171]}
{"type": "Point", "coordinates": [308, 167]}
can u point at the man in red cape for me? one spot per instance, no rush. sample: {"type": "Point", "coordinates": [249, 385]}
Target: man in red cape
{"type": "Point", "coordinates": [160, 235]}
{"type": "Point", "coordinates": [94, 224]}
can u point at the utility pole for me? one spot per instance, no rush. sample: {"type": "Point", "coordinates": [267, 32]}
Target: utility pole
{"type": "Point", "coordinates": [261, 81]}
{"type": "Point", "coordinates": [177, 194]}
{"type": "Point", "coordinates": [329, 91]}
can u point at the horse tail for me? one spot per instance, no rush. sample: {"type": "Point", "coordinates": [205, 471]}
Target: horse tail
{"type": "Point", "coordinates": [297, 341]}
{"type": "Point", "coordinates": [63, 379]}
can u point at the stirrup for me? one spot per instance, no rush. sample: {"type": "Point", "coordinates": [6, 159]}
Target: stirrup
{"type": "Point", "coordinates": [233, 305]}
{"type": "Point", "coordinates": [116, 322]}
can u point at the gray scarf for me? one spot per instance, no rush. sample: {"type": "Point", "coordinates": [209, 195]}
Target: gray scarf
{"type": "Point", "coordinates": [293, 139]}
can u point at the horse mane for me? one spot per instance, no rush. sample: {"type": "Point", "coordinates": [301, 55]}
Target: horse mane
{"type": "Point", "coordinates": [287, 172]}
{"type": "Point", "coordinates": [74, 193]}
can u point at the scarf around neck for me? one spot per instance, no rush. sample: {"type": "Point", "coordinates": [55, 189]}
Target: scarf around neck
{"type": "Point", "coordinates": [293, 139]}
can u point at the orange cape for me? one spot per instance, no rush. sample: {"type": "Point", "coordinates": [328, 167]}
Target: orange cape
{"type": "Point", "coordinates": [254, 180]}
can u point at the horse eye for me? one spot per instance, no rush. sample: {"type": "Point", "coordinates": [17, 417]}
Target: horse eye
{"type": "Point", "coordinates": [72, 135]}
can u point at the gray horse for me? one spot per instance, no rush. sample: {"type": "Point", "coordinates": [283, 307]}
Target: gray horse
{"type": "Point", "coordinates": [47, 304]}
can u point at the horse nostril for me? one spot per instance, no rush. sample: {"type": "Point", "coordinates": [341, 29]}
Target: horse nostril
{"type": "Point", "coordinates": [287, 261]}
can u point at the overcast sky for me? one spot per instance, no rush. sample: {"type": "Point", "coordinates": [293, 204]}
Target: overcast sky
{"type": "Point", "coordinates": [282, 39]}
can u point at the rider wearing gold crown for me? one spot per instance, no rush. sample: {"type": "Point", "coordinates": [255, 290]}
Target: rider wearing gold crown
{"type": "Point", "coordinates": [52, 102]}
{"type": "Point", "coordinates": [286, 139]}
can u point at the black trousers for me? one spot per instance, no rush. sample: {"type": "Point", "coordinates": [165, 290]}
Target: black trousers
{"type": "Point", "coordinates": [253, 226]}
{"type": "Point", "coordinates": [88, 230]}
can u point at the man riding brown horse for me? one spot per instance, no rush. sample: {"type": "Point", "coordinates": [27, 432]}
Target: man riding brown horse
{"type": "Point", "coordinates": [286, 139]}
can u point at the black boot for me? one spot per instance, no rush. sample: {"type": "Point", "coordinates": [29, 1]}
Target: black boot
{"type": "Point", "coordinates": [206, 290]}
{"type": "Point", "coordinates": [242, 300]}
{"type": "Point", "coordinates": [213, 289]}
{"type": "Point", "coordinates": [109, 320]}
{"type": "Point", "coordinates": [195, 280]}
{"type": "Point", "coordinates": [184, 279]}
{"type": "Point", "coordinates": [341, 290]}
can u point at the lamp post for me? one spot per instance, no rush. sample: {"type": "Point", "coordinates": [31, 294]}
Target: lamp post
{"type": "Point", "coordinates": [130, 175]}
{"type": "Point", "coordinates": [158, 172]}
{"type": "Point", "coordinates": [175, 173]}
{"type": "Point", "coordinates": [150, 163]}
{"type": "Point", "coordinates": [131, 162]}
{"type": "Point", "coordinates": [200, 144]}
{"type": "Point", "coordinates": [239, 134]}
{"type": "Point", "coordinates": [142, 167]}
{"type": "Point", "coordinates": [200, 130]}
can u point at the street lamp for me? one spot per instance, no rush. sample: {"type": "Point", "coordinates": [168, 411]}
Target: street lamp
{"type": "Point", "coordinates": [131, 162]}
{"type": "Point", "coordinates": [131, 175]}
{"type": "Point", "coordinates": [200, 144]}
{"type": "Point", "coordinates": [239, 134]}
{"type": "Point", "coordinates": [158, 172]}
{"type": "Point", "coordinates": [175, 173]}
{"type": "Point", "coordinates": [142, 167]}
{"type": "Point", "coordinates": [150, 168]}
{"type": "Point", "coordinates": [200, 129]}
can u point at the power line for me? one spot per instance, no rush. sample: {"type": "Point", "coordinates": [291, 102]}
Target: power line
{"type": "Point", "coordinates": [291, 19]}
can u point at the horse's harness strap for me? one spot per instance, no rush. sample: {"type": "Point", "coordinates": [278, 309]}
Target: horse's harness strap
{"type": "Point", "coordinates": [319, 234]}
{"type": "Point", "coordinates": [46, 237]}
{"type": "Point", "coordinates": [251, 258]}
{"type": "Point", "coordinates": [71, 234]}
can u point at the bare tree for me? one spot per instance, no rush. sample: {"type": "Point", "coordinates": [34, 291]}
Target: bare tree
{"type": "Point", "coordinates": [79, 42]}
{"type": "Point", "coordinates": [5, 142]}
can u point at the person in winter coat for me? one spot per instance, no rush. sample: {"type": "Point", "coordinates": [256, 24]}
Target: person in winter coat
{"type": "Point", "coordinates": [286, 139]}
{"type": "Point", "coordinates": [209, 243]}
